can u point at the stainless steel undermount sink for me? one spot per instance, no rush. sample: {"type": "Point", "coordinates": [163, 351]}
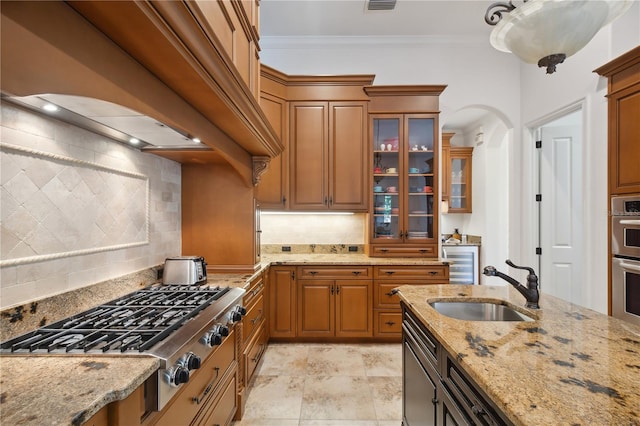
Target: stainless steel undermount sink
{"type": "Point", "coordinates": [478, 311]}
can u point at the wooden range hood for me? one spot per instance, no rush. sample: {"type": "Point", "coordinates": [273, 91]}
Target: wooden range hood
{"type": "Point", "coordinates": [157, 58]}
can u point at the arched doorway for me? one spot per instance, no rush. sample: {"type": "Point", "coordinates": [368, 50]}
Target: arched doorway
{"type": "Point", "coordinates": [489, 133]}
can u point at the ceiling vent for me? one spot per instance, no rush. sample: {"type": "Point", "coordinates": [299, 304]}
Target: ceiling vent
{"type": "Point", "coordinates": [381, 4]}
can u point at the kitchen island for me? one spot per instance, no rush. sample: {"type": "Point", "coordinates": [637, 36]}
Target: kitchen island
{"type": "Point", "coordinates": [570, 366]}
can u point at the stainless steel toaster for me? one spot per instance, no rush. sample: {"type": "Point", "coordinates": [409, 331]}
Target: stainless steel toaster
{"type": "Point", "coordinates": [187, 270]}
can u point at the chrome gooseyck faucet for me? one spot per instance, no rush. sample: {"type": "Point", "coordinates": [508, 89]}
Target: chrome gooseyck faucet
{"type": "Point", "coordinates": [530, 292]}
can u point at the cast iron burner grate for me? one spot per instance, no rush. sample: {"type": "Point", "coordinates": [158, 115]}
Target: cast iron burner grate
{"type": "Point", "coordinates": [134, 322]}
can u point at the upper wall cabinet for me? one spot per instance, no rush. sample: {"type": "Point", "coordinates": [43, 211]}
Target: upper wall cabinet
{"type": "Point", "coordinates": [460, 161]}
{"type": "Point", "coordinates": [327, 155]}
{"type": "Point", "coordinates": [323, 120]}
{"type": "Point", "coordinates": [624, 126]}
{"type": "Point", "coordinates": [273, 189]}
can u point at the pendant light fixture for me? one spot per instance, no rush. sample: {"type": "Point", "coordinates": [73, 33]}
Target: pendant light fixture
{"type": "Point", "coordinates": [547, 32]}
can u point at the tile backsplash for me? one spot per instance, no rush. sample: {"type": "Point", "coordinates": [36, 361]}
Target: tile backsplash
{"type": "Point", "coordinates": [78, 208]}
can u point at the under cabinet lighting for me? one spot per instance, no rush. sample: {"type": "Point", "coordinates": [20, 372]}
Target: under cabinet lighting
{"type": "Point", "coordinates": [50, 107]}
{"type": "Point", "coordinates": [271, 212]}
{"type": "Point", "coordinates": [134, 141]}
{"type": "Point", "coordinates": [196, 140]}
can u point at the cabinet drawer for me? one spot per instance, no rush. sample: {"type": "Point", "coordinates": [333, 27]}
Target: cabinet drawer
{"type": "Point", "coordinates": [338, 272]}
{"type": "Point", "coordinates": [253, 319]}
{"type": "Point", "coordinates": [388, 323]}
{"type": "Point", "coordinates": [385, 296]}
{"type": "Point", "coordinates": [439, 273]}
{"type": "Point", "coordinates": [253, 354]}
{"type": "Point", "coordinates": [203, 384]}
{"type": "Point", "coordinates": [256, 288]}
{"type": "Point", "coordinates": [401, 251]}
{"type": "Point", "coordinates": [221, 413]}
{"type": "Point", "coordinates": [468, 397]}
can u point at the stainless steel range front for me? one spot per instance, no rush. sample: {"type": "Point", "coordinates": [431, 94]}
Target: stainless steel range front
{"type": "Point", "coordinates": [179, 324]}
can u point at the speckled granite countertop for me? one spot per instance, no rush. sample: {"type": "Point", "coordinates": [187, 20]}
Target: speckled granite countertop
{"type": "Point", "coordinates": [572, 366]}
{"type": "Point", "coordinates": [81, 386]}
{"type": "Point", "coordinates": [41, 390]}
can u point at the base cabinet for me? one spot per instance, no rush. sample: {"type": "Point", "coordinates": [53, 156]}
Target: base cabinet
{"type": "Point", "coordinates": [386, 303]}
{"type": "Point", "coordinates": [282, 302]}
{"type": "Point", "coordinates": [436, 391]}
{"type": "Point", "coordinates": [335, 302]}
{"type": "Point", "coordinates": [335, 308]}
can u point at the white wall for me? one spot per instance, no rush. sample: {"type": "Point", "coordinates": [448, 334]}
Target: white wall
{"type": "Point", "coordinates": [31, 197]}
{"type": "Point", "coordinates": [574, 82]}
{"type": "Point", "coordinates": [477, 75]}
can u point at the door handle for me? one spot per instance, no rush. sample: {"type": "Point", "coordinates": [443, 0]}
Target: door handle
{"type": "Point", "coordinates": [630, 267]}
{"type": "Point", "coordinates": [629, 222]}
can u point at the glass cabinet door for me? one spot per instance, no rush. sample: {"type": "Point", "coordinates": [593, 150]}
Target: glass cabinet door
{"type": "Point", "coordinates": [419, 172]}
{"type": "Point", "coordinates": [460, 179]}
{"type": "Point", "coordinates": [386, 178]}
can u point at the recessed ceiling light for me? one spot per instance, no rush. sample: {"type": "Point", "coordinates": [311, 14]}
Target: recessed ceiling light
{"type": "Point", "coordinates": [50, 107]}
{"type": "Point", "coordinates": [196, 140]}
{"type": "Point", "coordinates": [134, 141]}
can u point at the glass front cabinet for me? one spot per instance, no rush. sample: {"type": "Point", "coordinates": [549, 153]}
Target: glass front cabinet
{"type": "Point", "coordinates": [404, 211]}
{"type": "Point", "coordinates": [460, 179]}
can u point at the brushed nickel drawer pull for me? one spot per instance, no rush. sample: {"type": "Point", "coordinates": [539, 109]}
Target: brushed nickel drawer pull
{"type": "Point", "coordinates": [208, 388]}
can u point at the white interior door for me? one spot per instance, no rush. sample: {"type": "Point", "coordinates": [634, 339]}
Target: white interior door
{"type": "Point", "coordinates": [561, 212]}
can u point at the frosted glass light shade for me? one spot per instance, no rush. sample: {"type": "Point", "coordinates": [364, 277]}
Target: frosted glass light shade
{"type": "Point", "coordinates": [540, 28]}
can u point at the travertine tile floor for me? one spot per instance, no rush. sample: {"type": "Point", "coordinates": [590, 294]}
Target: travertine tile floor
{"type": "Point", "coordinates": [327, 385]}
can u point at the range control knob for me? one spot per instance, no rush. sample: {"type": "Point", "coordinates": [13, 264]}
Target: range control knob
{"type": "Point", "coordinates": [214, 339]}
{"type": "Point", "coordinates": [193, 361]}
{"type": "Point", "coordinates": [215, 335]}
{"type": "Point", "coordinates": [224, 330]}
{"type": "Point", "coordinates": [180, 375]}
{"type": "Point", "coordinates": [237, 313]}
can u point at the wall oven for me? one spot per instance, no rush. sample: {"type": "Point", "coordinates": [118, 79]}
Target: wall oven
{"type": "Point", "coordinates": [625, 262]}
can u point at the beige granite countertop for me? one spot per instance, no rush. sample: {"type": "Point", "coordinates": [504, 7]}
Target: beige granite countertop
{"type": "Point", "coordinates": [72, 398]}
{"type": "Point", "coordinates": [82, 385]}
{"type": "Point", "coordinates": [571, 366]}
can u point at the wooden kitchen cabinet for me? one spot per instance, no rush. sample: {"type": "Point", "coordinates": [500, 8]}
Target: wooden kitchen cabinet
{"type": "Point", "coordinates": [335, 302]}
{"type": "Point", "coordinates": [445, 172]}
{"type": "Point", "coordinates": [403, 126]}
{"type": "Point", "coordinates": [254, 337]}
{"type": "Point", "coordinates": [273, 188]}
{"type": "Point", "coordinates": [459, 166]}
{"type": "Point", "coordinates": [282, 302]}
{"type": "Point", "coordinates": [328, 155]}
{"type": "Point", "coordinates": [386, 303]}
{"type": "Point", "coordinates": [206, 389]}
{"type": "Point", "coordinates": [624, 126]}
